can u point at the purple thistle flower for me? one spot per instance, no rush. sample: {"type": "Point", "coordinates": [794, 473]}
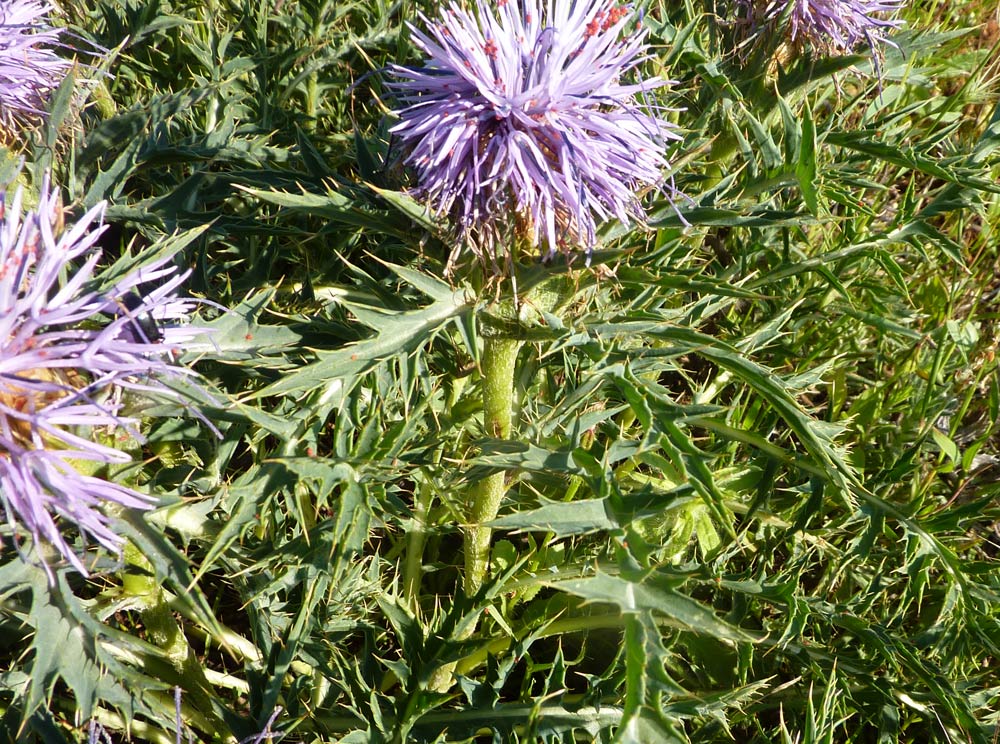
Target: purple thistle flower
{"type": "Point", "coordinates": [838, 25]}
{"type": "Point", "coordinates": [68, 355]}
{"type": "Point", "coordinates": [520, 126]}
{"type": "Point", "coordinates": [29, 67]}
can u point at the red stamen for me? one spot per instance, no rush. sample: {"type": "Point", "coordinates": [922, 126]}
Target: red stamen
{"type": "Point", "coordinates": [614, 15]}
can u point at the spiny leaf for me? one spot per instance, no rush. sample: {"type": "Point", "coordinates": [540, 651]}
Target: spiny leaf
{"type": "Point", "coordinates": [562, 518]}
{"type": "Point", "coordinates": [337, 372]}
{"type": "Point", "coordinates": [637, 596]}
{"type": "Point", "coordinates": [904, 156]}
{"type": "Point", "coordinates": [805, 167]}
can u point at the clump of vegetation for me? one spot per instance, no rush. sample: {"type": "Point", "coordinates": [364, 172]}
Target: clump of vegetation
{"type": "Point", "coordinates": [742, 451]}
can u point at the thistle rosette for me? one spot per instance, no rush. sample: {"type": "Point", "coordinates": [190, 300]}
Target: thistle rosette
{"type": "Point", "coordinates": [30, 68]}
{"type": "Point", "coordinates": [521, 125]}
{"type": "Point", "coordinates": [70, 356]}
{"type": "Point", "coordinates": [837, 26]}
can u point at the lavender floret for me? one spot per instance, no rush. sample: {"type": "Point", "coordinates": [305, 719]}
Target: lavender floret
{"type": "Point", "coordinates": [838, 26]}
{"type": "Point", "coordinates": [30, 68]}
{"type": "Point", "coordinates": [521, 125]}
{"type": "Point", "coordinates": [69, 356]}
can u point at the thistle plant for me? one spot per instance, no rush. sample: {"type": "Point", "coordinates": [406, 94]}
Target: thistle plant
{"type": "Point", "coordinates": [70, 358]}
{"type": "Point", "coordinates": [30, 67]}
{"type": "Point", "coordinates": [746, 466]}
{"type": "Point", "coordinates": [528, 125]}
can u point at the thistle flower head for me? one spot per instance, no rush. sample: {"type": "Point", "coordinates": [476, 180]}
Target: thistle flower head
{"type": "Point", "coordinates": [30, 69]}
{"type": "Point", "coordinates": [838, 26]}
{"type": "Point", "coordinates": [527, 121]}
{"type": "Point", "coordinates": [69, 355]}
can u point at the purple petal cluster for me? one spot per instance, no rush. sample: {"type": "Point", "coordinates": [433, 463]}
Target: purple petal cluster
{"type": "Point", "coordinates": [70, 356]}
{"type": "Point", "coordinates": [30, 69]}
{"type": "Point", "coordinates": [839, 25]}
{"type": "Point", "coordinates": [527, 122]}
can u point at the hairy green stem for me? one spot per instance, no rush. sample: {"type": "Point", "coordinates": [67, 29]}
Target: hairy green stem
{"type": "Point", "coordinates": [498, 364]}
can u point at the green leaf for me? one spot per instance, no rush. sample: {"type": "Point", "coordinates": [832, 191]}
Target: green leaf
{"type": "Point", "coordinates": [920, 229]}
{"type": "Point", "coordinates": [63, 650]}
{"type": "Point", "coordinates": [907, 157]}
{"type": "Point", "coordinates": [408, 206]}
{"type": "Point", "coordinates": [718, 217]}
{"type": "Point", "coordinates": [238, 336]}
{"type": "Point", "coordinates": [805, 167]}
{"type": "Point", "coordinates": [633, 597]}
{"type": "Point", "coordinates": [765, 143]}
{"type": "Point", "coordinates": [562, 518]}
{"type": "Point", "coordinates": [335, 373]}
{"type": "Point", "coordinates": [946, 444]}
{"type": "Point", "coordinates": [330, 206]}
{"type": "Point", "coordinates": [815, 435]}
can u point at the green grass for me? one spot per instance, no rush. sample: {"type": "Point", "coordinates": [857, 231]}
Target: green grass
{"type": "Point", "coordinates": [752, 481]}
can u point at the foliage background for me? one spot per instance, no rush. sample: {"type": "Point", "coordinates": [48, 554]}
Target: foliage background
{"type": "Point", "coordinates": [753, 484]}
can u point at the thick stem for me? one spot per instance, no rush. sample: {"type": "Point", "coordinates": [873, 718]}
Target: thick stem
{"type": "Point", "coordinates": [498, 364]}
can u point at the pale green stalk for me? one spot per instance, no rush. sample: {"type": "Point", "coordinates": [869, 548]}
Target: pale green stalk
{"type": "Point", "coordinates": [415, 540]}
{"type": "Point", "coordinates": [498, 365]}
{"type": "Point", "coordinates": [180, 662]}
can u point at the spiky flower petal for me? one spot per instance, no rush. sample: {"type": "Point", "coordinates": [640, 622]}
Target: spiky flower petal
{"type": "Point", "coordinates": [522, 126]}
{"type": "Point", "coordinates": [30, 68]}
{"type": "Point", "coordinates": [838, 26]}
{"type": "Point", "coordinates": [69, 354]}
